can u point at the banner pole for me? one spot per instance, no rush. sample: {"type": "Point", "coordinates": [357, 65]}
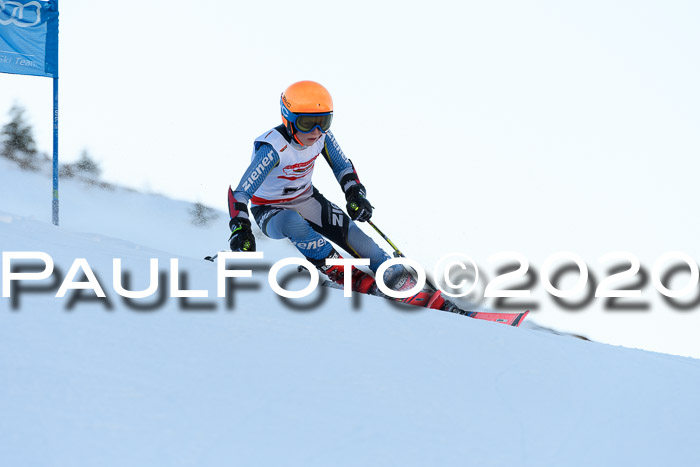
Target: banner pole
{"type": "Point", "coordinates": [55, 153]}
{"type": "Point", "coordinates": [54, 203]}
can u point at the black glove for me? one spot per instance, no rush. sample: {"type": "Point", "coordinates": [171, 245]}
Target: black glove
{"type": "Point", "coordinates": [358, 207]}
{"type": "Point", "coordinates": [242, 238]}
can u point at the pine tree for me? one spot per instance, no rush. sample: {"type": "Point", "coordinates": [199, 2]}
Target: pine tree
{"type": "Point", "coordinates": [18, 141]}
{"type": "Point", "coordinates": [87, 165]}
{"type": "Point", "coordinates": [201, 215]}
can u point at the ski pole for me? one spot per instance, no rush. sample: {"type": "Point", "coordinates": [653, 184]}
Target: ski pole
{"type": "Point", "coordinates": [397, 252]}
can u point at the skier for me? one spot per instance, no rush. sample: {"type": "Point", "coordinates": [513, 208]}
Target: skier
{"type": "Point", "coordinates": [285, 204]}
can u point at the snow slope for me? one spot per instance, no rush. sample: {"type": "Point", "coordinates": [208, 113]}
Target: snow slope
{"type": "Point", "coordinates": [259, 383]}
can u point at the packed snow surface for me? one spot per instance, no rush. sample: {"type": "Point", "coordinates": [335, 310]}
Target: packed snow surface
{"type": "Point", "coordinates": [254, 381]}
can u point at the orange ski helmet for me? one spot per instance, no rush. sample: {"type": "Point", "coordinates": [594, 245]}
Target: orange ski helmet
{"type": "Point", "coordinates": [310, 101]}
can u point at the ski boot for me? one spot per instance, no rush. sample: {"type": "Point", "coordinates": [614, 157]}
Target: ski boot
{"type": "Point", "coordinates": [401, 279]}
{"type": "Point", "coordinates": [360, 282]}
{"type": "Point", "coordinates": [428, 297]}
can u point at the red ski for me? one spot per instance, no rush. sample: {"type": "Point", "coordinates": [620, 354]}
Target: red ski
{"type": "Point", "coordinates": [512, 319]}
{"type": "Point", "coordinates": [436, 301]}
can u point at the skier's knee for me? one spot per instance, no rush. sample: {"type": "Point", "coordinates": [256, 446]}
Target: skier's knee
{"type": "Point", "coordinates": [397, 277]}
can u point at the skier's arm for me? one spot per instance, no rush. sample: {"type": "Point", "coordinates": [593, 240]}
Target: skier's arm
{"type": "Point", "coordinates": [355, 194]}
{"type": "Point", "coordinates": [265, 159]}
{"type": "Point", "coordinates": [342, 167]}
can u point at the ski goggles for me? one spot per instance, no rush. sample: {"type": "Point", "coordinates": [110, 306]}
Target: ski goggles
{"type": "Point", "coordinates": [306, 123]}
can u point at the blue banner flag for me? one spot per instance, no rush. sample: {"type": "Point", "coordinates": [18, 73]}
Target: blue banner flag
{"type": "Point", "coordinates": [29, 37]}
